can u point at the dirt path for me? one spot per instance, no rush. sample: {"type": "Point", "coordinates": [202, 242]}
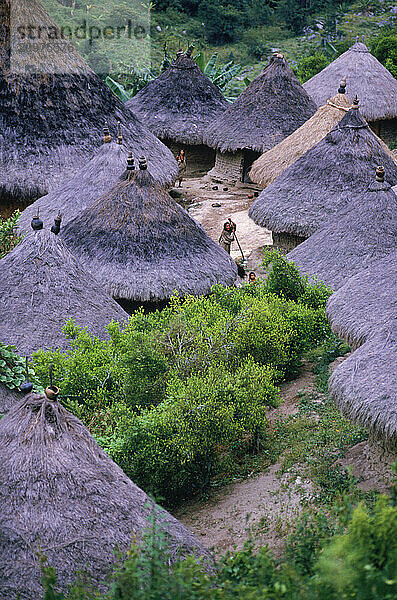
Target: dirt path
{"type": "Point", "coordinates": [232, 202]}
{"type": "Point", "coordinates": [262, 504]}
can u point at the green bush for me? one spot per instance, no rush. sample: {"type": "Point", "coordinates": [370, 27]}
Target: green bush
{"type": "Point", "coordinates": [308, 66]}
{"type": "Point", "coordinates": [13, 369]}
{"type": "Point", "coordinates": [178, 396]}
{"type": "Point", "coordinates": [8, 237]}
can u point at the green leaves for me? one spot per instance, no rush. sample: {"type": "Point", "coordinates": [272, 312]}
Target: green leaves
{"type": "Point", "coordinates": [13, 368]}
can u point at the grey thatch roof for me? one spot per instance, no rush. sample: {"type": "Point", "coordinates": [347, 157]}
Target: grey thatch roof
{"type": "Point", "coordinates": [8, 398]}
{"type": "Point", "coordinates": [273, 163]}
{"type": "Point", "coordinates": [62, 494]}
{"type": "Point", "coordinates": [180, 103]}
{"type": "Point", "coordinates": [143, 246]}
{"type": "Point", "coordinates": [350, 243]}
{"type": "Point", "coordinates": [270, 109]}
{"type": "Point", "coordinates": [364, 386]}
{"type": "Point", "coordinates": [326, 181]}
{"type": "Point", "coordinates": [366, 303]}
{"type": "Point", "coordinates": [368, 79]}
{"type": "Point", "coordinates": [79, 192]}
{"type": "Point", "coordinates": [42, 286]}
{"type": "Point", "coordinates": [52, 108]}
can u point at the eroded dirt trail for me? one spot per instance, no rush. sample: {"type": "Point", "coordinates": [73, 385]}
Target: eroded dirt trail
{"type": "Point", "coordinates": [261, 504]}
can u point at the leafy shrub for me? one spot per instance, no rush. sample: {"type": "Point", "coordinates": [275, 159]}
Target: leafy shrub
{"type": "Point", "coordinates": [8, 238]}
{"type": "Point", "coordinates": [308, 66]}
{"type": "Point", "coordinates": [177, 395]}
{"type": "Point", "coordinates": [13, 369]}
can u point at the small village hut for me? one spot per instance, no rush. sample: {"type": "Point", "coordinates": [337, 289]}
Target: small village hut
{"type": "Point", "coordinates": [366, 303]}
{"type": "Point", "coordinates": [42, 286]}
{"type": "Point", "coordinates": [324, 183]}
{"type": "Point", "coordinates": [369, 80]}
{"type": "Point", "coordinates": [270, 109]}
{"type": "Point", "coordinates": [81, 190]}
{"type": "Point", "coordinates": [364, 388]}
{"type": "Point", "coordinates": [178, 106]}
{"type": "Point", "coordinates": [274, 162]}
{"type": "Point", "coordinates": [143, 246]}
{"type": "Point", "coordinates": [353, 242]}
{"type": "Point", "coordinates": [62, 495]}
{"type": "Point", "coordinates": [52, 105]}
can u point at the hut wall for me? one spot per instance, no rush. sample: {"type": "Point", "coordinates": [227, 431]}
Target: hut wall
{"type": "Point", "coordinates": [229, 167]}
{"type": "Point", "coordinates": [249, 157]}
{"type": "Point", "coordinates": [9, 205]}
{"type": "Point", "coordinates": [199, 158]}
{"type": "Point", "coordinates": [286, 242]}
{"type": "Point", "coordinates": [385, 129]}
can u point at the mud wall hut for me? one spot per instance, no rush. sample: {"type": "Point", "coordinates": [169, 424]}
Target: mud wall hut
{"type": "Point", "coordinates": [177, 107]}
{"type": "Point", "coordinates": [52, 106]}
{"type": "Point", "coordinates": [369, 80]}
{"type": "Point", "coordinates": [60, 493]}
{"type": "Point", "coordinates": [143, 246]}
{"type": "Point", "coordinates": [42, 286]}
{"type": "Point", "coordinates": [271, 108]}
{"type": "Point", "coordinates": [324, 183]}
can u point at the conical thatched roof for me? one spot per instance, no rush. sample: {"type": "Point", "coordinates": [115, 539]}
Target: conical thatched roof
{"type": "Point", "coordinates": [274, 162]}
{"type": "Point", "coordinates": [366, 302]}
{"type": "Point", "coordinates": [349, 244]}
{"type": "Point", "coordinates": [270, 109]}
{"type": "Point", "coordinates": [364, 386]}
{"type": "Point", "coordinates": [8, 398]}
{"type": "Point", "coordinates": [52, 106]}
{"type": "Point", "coordinates": [368, 79]}
{"type": "Point", "coordinates": [79, 192]}
{"type": "Point", "coordinates": [180, 103]}
{"type": "Point", "coordinates": [42, 286]}
{"type": "Point", "coordinates": [60, 493]}
{"type": "Point", "coordinates": [324, 182]}
{"type": "Point", "coordinates": [143, 246]}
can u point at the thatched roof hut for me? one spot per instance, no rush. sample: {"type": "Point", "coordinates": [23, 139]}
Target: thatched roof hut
{"type": "Point", "coordinates": [274, 162]}
{"type": "Point", "coordinates": [271, 108]}
{"type": "Point", "coordinates": [61, 494]}
{"type": "Point", "coordinates": [366, 302]}
{"type": "Point", "coordinates": [369, 80]}
{"type": "Point", "coordinates": [325, 182]}
{"type": "Point", "coordinates": [143, 246]}
{"type": "Point", "coordinates": [42, 286]}
{"type": "Point", "coordinates": [52, 107]}
{"type": "Point", "coordinates": [364, 386]}
{"type": "Point", "coordinates": [83, 189]}
{"type": "Point", "coordinates": [355, 240]}
{"type": "Point", "coordinates": [178, 107]}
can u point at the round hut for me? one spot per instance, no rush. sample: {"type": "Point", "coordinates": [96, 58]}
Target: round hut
{"type": "Point", "coordinates": [364, 388]}
{"type": "Point", "coordinates": [352, 242]}
{"type": "Point", "coordinates": [178, 107]}
{"type": "Point", "coordinates": [83, 189]}
{"type": "Point", "coordinates": [51, 106]}
{"type": "Point", "coordinates": [62, 495]}
{"type": "Point", "coordinates": [324, 183]}
{"type": "Point", "coordinates": [369, 80]}
{"type": "Point", "coordinates": [42, 286]}
{"type": "Point", "coordinates": [273, 163]}
{"type": "Point", "coordinates": [144, 247]}
{"type": "Point", "coordinates": [271, 108]}
{"type": "Point", "coordinates": [366, 302]}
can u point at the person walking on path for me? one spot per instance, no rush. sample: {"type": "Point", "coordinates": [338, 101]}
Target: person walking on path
{"type": "Point", "coordinates": [181, 160]}
{"type": "Point", "coordinates": [228, 235]}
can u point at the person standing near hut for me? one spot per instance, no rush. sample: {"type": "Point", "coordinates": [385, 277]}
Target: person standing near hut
{"type": "Point", "coordinates": [228, 235]}
{"type": "Point", "coordinates": [181, 160]}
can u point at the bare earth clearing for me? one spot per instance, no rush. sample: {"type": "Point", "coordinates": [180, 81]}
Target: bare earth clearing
{"type": "Point", "coordinates": [234, 203]}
